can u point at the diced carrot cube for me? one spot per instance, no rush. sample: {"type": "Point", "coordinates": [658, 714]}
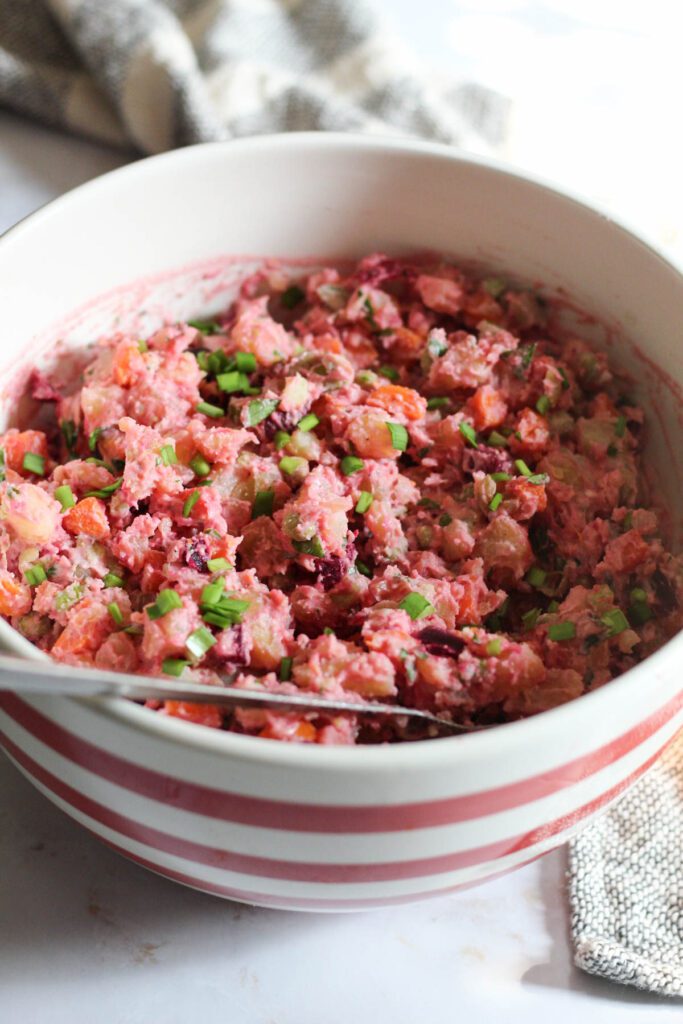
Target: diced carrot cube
{"type": "Point", "coordinates": [488, 407]}
{"type": "Point", "coordinates": [303, 732]}
{"type": "Point", "coordinates": [17, 444]}
{"type": "Point", "coordinates": [201, 714]}
{"type": "Point", "coordinates": [481, 306]}
{"type": "Point", "coordinates": [88, 516]}
{"type": "Point", "coordinates": [399, 400]}
{"type": "Point", "coordinates": [15, 597]}
{"type": "Point", "coordinates": [128, 363]}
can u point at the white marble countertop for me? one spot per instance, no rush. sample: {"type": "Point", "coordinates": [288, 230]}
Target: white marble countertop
{"type": "Point", "coordinates": [86, 936]}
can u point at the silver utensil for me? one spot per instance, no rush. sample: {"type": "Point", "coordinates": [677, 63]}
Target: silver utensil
{"type": "Point", "coordinates": [46, 677]}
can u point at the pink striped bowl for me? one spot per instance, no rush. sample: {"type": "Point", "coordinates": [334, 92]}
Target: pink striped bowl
{"type": "Point", "coordinates": [314, 828]}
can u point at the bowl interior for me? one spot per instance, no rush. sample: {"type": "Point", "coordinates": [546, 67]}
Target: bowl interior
{"type": "Point", "coordinates": [169, 238]}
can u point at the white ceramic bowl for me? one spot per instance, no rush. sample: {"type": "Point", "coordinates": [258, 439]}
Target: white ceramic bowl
{"type": "Point", "coordinates": [315, 827]}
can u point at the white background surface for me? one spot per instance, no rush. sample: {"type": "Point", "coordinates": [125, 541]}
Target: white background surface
{"type": "Point", "coordinates": [87, 937]}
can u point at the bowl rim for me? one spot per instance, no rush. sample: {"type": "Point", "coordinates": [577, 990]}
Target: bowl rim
{"type": "Point", "coordinates": [501, 739]}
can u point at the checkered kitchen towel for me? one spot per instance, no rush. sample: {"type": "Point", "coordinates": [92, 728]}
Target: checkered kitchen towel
{"type": "Point", "coordinates": [155, 74]}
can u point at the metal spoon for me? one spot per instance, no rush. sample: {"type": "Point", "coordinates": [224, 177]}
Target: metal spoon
{"type": "Point", "coordinates": [27, 677]}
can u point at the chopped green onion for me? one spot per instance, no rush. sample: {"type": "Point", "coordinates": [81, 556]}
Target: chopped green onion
{"type": "Point", "coordinates": [363, 569]}
{"type": "Point", "coordinates": [69, 433]}
{"type": "Point", "coordinates": [310, 547]}
{"type": "Point", "coordinates": [497, 440]}
{"type": "Point", "coordinates": [105, 492]}
{"type": "Point", "coordinates": [94, 438]}
{"type": "Point", "coordinates": [260, 409]}
{"type": "Point", "coordinates": [292, 296]}
{"type": "Point", "coordinates": [199, 642]}
{"type": "Point", "coordinates": [399, 436]}
{"type": "Point", "coordinates": [217, 362]}
{"type": "Point", "coordinates": [494, 647]}
{"type": "Point", "coordinates": [207, 409]}
{"type": "Point", "coordinates": [416, 605]}
{"type": "Point", "coordinates": [174, 666]}
{"type": "Point", "coordinates": [285, 673]}
{"type": "Point", "coordinates": [495, 501]}
{"type": "Point", "coordinates": [218, 564]}
{"type": "Point", "coordinates": [429, 503]}
{"type": "Point", "coordinates": [495, 286]}
{"type": "Point", "coordinates": [615, 621]}
{"type": "Point", "coordinates": [222, 610]}
{"type": "Point", "coordinates": [112, 580]}
{"type": "Point", "coordinates": [202, 358]}
{"type": "Point", "coordinates": [70, 596]}
{"type": "Point", "coordinates": [538, 478]}
{"type": "Point", "coordinates": [199, 465]}
{"type": "Point", "coordinates": [469, 433]}
{"type": "Point", "coordinates": [522, 467]}
{"type": "Point", "coordinates": [142, 346]}
{"type": "Point", "coordinates": [445, 520]}
{"type": "Point", "coordinates": [205, 326]}
{"type": "Point", "coordinates": [263, 504]}
{"type": "Point", "coordinates": [638, 594]}
{"type": "Point", "coordinates": [436, 346]}
{"type": "Point", "coordinates": [498, 477]}
{"type": "Point", "coordinates": [65, 496]}
{"type": "Point", "coordinates": [543, 405]}
{"type": "Point", "coordinates": [528, 355]}
{"type": "Point", "coordinates": [328, 631]}
{"type": "Point", "coordinates": [565, 379]}
{"type": "Point", "coordinates": [553, 606]}
{"type": "Point", "coordinates": [351, 464]}
{"type": "Point", "coordinates": [190, 503]}
{"type": "Point", "coordinates": [166, 601]}
{"type": "Point", "coordinates": [232, 381]}
{"type": "Point", "coordinates": [245, 362]}
{"type": "Point", "coordinates": [620, 426]}
{"type": "Point", "coordinates": [115, 612]}
{"type": "Point", "coordinates": [438, 402]}
{"type": "Point", "coordinates": [365, 500]}
{"type": "Point", "coordinates": [530, 618]}
{"type": "Point", "coordinates": [308, 422]}
{"type": "Point", "coordinates": [281, 440]}
{"type": "Point", "coordinates": [34, 463]}
{"type": "Point", "coordinates": [289, 464]}
{"type": "Point", "coordinates": [562, 631]}
{"type": "Point", "coordinates": [639, 611]}
{"type": "Point", "coordinates": [35, 575]}
{"type": "Point", "coordinates": [134, 630]}
{"type": "Point", "coordinates": [168, 455]}
{"type": "Point", "coordinates": [390, 372]}
{"type": "Point", "coordinates": [213, 592]}
{"type": "Point", "coordinates": [536, 576]}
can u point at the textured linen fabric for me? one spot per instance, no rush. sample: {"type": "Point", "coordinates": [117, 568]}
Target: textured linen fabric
{"type": "Point", "coordinates": [626, 884]}
{"type": "Point", "coordinates": [155, 74]}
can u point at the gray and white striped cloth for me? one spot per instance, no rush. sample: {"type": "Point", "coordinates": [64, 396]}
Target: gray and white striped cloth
{"type": "Point", "coordinates": [154, 74]}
